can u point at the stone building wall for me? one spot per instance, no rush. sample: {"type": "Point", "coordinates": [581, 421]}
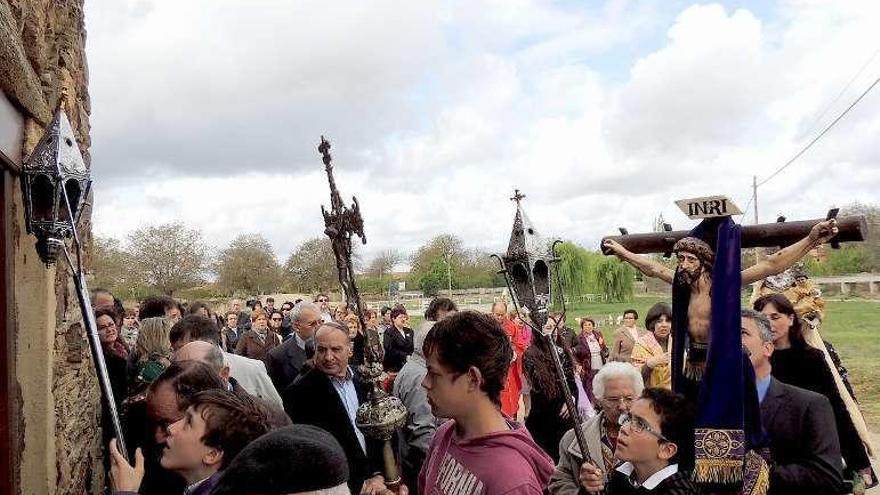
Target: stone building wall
{"type": "Point", "coordinates": [55, 396]}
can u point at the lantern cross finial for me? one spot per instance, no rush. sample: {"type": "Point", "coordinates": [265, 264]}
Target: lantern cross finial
{"type": "Point", "coordinates": [517, 196]}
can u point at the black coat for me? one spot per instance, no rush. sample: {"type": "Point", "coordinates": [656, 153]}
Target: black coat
{"type": "Point", "coordinates": [397, 348]}
{"type": "Point", "coordinates": [313, 400]}
{"type": "Point", "coordinates": [232, 335]}
{"type": "Point", "coordinates": [806, 368]}
{"type": "Point", "coordinates": [285, 362]}
{"type": "Point", "coordinates": [803, 441]}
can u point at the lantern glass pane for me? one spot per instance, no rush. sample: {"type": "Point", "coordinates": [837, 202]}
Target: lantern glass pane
{"type": "Point", "coordinates": [73, 195]}
{"type": "Point", "coordinates": [42, 199]}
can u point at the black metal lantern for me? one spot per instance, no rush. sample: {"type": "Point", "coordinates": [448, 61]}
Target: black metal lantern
{"type": "Point", "coordinates": [526, 265]}
{"type": "Point", "coordinates": [55, 185]}
{"type": "Point", "coordinates": [526, 269]}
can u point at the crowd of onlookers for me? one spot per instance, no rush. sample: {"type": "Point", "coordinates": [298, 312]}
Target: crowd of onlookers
{"type": "Point", "coordinates": [258, 399]}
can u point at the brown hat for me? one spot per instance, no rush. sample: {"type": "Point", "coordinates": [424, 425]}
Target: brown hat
{"type": "Point", "coordinates": [697, 247]}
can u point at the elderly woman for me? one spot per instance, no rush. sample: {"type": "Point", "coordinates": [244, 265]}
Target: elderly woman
{"type": "Point", "coordinates": [652, 350]}
{"type": "Point", "coordinates": [616, 386]}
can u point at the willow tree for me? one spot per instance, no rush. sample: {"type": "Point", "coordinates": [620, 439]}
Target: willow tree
{"type": "Point", "coordinates": [581, 271]}
{"type": "Point", "coordinates": [615, 279]}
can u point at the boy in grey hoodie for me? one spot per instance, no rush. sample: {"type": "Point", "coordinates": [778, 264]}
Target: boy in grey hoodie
{"type": "Point", "coordinates": [480, 451]}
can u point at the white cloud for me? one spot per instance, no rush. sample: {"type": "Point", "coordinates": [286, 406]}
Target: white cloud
{"type": "Point", "coordinates": [209, 113]}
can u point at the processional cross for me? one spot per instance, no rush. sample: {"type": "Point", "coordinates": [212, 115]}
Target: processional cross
{"type": "Point", "coordinates": [707, 284]}
{"type": "Point", "coordinates": [384, 413]}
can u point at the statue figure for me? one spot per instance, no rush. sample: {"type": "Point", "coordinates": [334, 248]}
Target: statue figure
{"type": "Point", "coordinates": [695, 261]}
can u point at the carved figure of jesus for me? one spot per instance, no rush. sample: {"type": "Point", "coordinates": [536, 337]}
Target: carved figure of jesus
{"type": "Point", "coordinates": [695, 261]}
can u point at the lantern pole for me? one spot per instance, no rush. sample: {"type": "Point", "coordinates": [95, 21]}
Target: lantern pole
{"type": "Point", "coordinates": [88, 315]}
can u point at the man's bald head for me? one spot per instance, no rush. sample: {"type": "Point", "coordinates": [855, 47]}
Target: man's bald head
{"type": "Point", "coordinates": [330, 326]}
{"type": "Point", "coordinates": [203, 352]}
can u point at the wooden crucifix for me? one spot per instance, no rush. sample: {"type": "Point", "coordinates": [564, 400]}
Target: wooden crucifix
{"type": "Point", "coordinates": [706, 291]}
{"type": "Point", "coordinates": [695, 256]}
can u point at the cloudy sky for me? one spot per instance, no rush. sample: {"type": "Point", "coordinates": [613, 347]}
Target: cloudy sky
{"type": "Point", "coordinates": [209, 112]}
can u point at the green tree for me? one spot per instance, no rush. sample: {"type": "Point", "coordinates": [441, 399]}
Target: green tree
{"type": "Point", "coordinates": [312, 267]}
{"type": "Point", "coordinates": [469, 267]}
{"type": "Point", "coordinates": [581, 271]}
{"type": "Point", "coordinates": [444, 246]}
{"type": "Point", "coordinates": [615, 279]}
{"type": "Point", "coordinates": [871, 246]}
{"type": "Point", "coordinates": [432, 281]}
{"type": "Point", "coordinates": [168, 257]}
{"type": "Point", "coordinates": [248, 264]}
{"type": "Point", "coordinates": [111, 266]}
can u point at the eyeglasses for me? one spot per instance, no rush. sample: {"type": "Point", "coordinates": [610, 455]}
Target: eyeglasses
{"type": "Point", "coordinates": [639, 425]}
{"type": "Point", "coordinates": [626, 401]}
{"type": "Point", "coordinates": [276, 319]}
{"type": "Point", "coordinates": [323, 300]}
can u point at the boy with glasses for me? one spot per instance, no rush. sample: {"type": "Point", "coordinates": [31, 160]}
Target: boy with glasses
{"type": "Point", "coordinates": [654, 434]}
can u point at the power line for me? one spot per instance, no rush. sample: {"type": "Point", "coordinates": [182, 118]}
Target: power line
{"type": "Point", "coordinates": [746, 210]}
{"type": "Point", "coordinates": [842, 91]}
{"type": "Point", "coordinates": [824, 131]}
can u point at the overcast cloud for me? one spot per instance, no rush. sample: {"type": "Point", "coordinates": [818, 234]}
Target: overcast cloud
{"type": "Point", "coordinates": [209, 112]}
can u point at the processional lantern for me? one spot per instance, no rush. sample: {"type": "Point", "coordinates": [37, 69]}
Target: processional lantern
{"type": "Point", "coordinates": [55, 185]}
{"type": "Point", "coordinates": [526, 269]}
{"type": "Point", "coordinates": [526, 265]}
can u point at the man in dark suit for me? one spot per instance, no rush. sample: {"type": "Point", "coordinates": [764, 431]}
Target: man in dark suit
{"type": "Point", "coordinates": [800, 424]}
{"type": "Point", "coordinates": [285, 362]}
{"type": "Point", "coordinates": [327, 396]}
{"type": "Point", "coordinates": [398, 341]}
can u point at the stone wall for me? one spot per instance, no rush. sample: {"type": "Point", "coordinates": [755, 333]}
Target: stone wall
{"type": "Point", "coordinates": [56, 396]}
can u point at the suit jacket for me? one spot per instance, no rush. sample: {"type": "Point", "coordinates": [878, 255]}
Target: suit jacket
{"type": "Point", "coordinates": [285, 362]}
{"type": "Point", "coordinates": [803, 441]}
{"type": "Point", "coordinates": [251, 375]}
{"type": "Point", "coordinates": [397, 348]}
{"type": "Point", "coordinates": [623, 345]}
{"type": "Point", "coordinates": [313, 400]}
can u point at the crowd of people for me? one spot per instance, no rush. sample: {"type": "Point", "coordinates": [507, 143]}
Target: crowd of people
{"type": "Point", "coordinates": [254, 399]}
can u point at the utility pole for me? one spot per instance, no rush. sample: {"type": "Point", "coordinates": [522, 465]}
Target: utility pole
{"type": "Point", "coordinates": [755, 200]}
{"type": "Point", "coordinates": [449, 272]}
{"type": "Point", "coordinates": [755, 196]}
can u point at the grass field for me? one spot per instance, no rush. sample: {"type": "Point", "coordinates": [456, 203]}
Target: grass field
{"type": "Point", "coordinates": [852, 326]}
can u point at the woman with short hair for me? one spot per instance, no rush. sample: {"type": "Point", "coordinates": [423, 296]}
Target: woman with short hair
{"type": "Point", "coordinates": [591, 354]}
{"type": "Point", "coordinates": [652, 350]}
{"type": "Point", "coordinates": [259, 340]}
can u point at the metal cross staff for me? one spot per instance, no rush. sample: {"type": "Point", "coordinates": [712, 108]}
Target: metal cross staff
{"type": "Point", "coordinates": [384, 413]}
